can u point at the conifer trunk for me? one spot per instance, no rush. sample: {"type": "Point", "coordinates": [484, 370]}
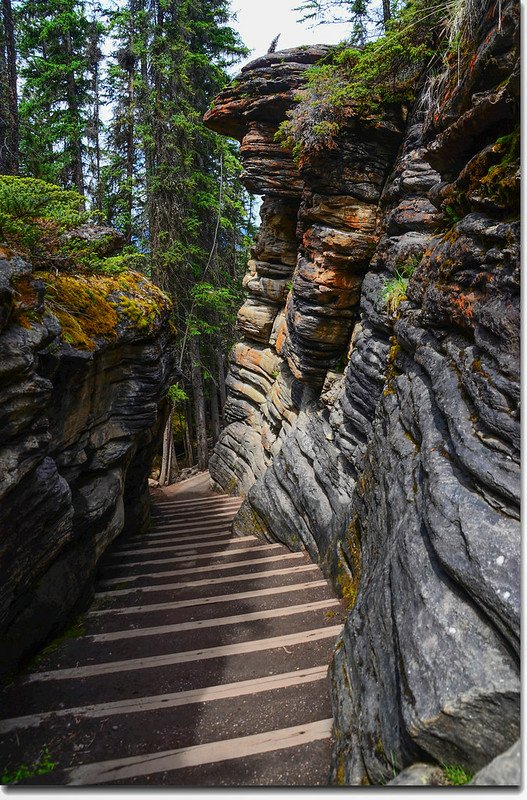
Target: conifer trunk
{"type": "Point", "coordinates": [97, 136]}
{"type": "Point", "coordinates": [130, 147]}
{"type": "Point", "coordinates": [199, 405]}
{"type": "Point", "coordinates": [214, 412]}
{"type": "Point", "coordinates": [173, 471]}
{"type": "Point", "coordinates": [130, 157]}
{"type": "Point", "coordinates": [75, 144]}
{"type": "Point", "coordinates": [189, 450]}
{"type": "Point", "coordinates": [220, 361]}
{"type": "Point", "coordinates": [4, 113]}
{"type": "Point", "coordinates": [168, 442]}
{"type": "Point", "coordinates": [11, 132]}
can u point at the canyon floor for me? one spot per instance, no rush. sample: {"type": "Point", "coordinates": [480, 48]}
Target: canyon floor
{"type": "Point", "coordinates": [201, 662]}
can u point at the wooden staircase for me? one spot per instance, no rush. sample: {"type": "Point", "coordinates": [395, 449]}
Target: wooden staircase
{"type": "Point", "coordinates": [202, 662]}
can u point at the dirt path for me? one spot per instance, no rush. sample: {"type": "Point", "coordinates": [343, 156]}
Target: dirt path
{"type": "Point", "coordinates": [202, 662]}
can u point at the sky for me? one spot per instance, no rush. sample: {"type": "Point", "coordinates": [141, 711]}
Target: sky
{"type": "Point", "coordinates": [259, 21]}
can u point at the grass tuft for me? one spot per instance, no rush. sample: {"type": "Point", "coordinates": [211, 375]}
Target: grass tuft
{"type": "Point", "coordinates": [395, 289]}
{"type": "Point", "coordinates": [42, 766]}
{"type": "Point", "coordinates": [456, 775]}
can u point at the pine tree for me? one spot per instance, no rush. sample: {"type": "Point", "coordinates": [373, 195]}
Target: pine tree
{"type": "Point", "coordinates": [53, 43]}
{"type": "Point", "coordinates": [94, 130]}
{"type": "Point", "coordinates": [193, 201]}
{"type": "Point", "coordinates": [123, 172]}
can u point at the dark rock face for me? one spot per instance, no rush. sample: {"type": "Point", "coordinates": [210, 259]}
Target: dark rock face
{"type": "Point", "coordinates": [401, 476]}
{"type": "Point", "coordinates": [436, 502]}
{"type": "Point", "coordinates": [79, 430]}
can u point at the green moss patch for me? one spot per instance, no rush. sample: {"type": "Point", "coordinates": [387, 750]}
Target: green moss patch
{"type": "Point", "coordinates": [92, 307]}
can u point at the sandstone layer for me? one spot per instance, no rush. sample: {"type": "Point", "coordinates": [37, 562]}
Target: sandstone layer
{"type": "Point", "coordinates": [400, 476]}
{"type": "Point", "coordinates": [80, 425]}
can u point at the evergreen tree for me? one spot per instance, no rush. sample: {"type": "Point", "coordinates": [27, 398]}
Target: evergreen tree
{"type": "Point", "coordinates": [193, 203]}
{"type": "Point", "coordinates": [94, 130]}
{"type": "Point", "coordinates": [365, 16]}
{"type": "Point", "coordinates": [53, 41]}
{"type": "Point", "coordinates": [123, 172]}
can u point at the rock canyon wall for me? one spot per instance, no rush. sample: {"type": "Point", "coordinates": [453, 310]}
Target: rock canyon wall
{"type": "Point", "coordinates": [384, 439]}
{"type": "Point", "coordinates": [81, 417]}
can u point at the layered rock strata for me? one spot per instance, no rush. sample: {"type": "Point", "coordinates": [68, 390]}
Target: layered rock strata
{"type": "Point", "coordinates": [400, 477]}
{"type": "Point", "coordinates": [80, 425]}
{"type": "Point", "coordinates": [307, 265]}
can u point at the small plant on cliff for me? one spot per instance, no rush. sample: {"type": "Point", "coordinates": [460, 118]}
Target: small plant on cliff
{"type": "Point", "coordinates": [42, 766]}
{"type": "Point", "coordinates": [365, 81]}
{"type": "Point", "coordinates": [501, 182]}
{"type": "Point", "coordinates": [395, 289]}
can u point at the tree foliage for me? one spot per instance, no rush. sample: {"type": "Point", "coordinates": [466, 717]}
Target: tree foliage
{"type": "Point", "coordinates": [54, 40]}
{"type": "Point", "coordinates": [34, 214]}
{"type": "Point", "coordinates": [365, 17]}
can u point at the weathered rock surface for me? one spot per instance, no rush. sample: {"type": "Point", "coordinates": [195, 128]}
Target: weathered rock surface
{"type": "Point", "coordinates": [308, 263]}
{"type": "Point", "coordinates": [504, 770]}
{"type": "Point", "coordinates": [436, 503]}
{"type": "Point", "coordinates": [401, 476]}
{"type": "Point", "coordinates": [419, 775]}
{"type": "Point", "coordinates": [252, 107]}
{"type": "Point", "coordinates": [78, 431]}
{"type": "Point", "coordinates": [259, 380]}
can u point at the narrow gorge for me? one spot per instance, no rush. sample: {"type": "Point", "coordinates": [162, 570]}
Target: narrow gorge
{"type": "Point", "coordinates": [370, 444]}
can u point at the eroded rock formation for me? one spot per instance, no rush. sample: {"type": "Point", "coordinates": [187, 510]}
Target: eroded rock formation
{"type": "Point", "coordinates": [80, 422]}
{"type": "Point", "coordinates": [307, 264]}
{"type": "Point", "coordinates": [400, 476]}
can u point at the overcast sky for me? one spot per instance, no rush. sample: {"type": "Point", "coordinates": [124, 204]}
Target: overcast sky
{"type": "Point", "coordinates": [259, 21]}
